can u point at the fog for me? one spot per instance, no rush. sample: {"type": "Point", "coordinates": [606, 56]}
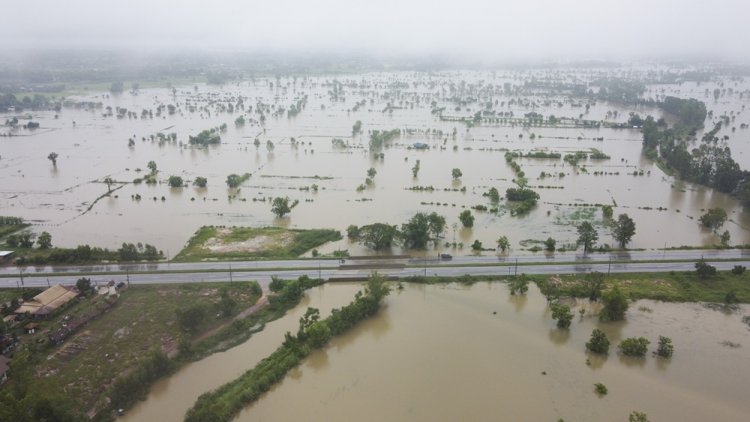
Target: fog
{"type": "Point", "coordinates": [478, 30]}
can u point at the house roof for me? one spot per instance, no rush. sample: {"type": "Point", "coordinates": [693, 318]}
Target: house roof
{"type": "Point", "coordinates": [3, 254]}
{"type": "Point", "coordinates": [48, 300]}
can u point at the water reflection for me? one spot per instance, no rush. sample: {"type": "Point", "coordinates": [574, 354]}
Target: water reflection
{"type": "Point", "coordinates": [559, 336]}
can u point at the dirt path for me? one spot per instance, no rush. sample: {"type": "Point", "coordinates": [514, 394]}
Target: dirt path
{"type": "Point", "coordinates": [260, 304]}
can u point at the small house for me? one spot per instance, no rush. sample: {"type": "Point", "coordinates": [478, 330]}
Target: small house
{"type": "Point", "coordinates": [31, 327]}
{"type": "Point", "coordinates": [5, 256]}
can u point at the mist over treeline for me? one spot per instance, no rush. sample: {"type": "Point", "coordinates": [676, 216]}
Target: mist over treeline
{"type": "Point", "coordinates": [50, 70]}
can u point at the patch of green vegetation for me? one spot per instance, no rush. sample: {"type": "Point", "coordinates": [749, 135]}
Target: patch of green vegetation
{"type": "Point", "coordinates": [668, 287]}
{"type": "Point", "coordinates": [249, 242]}
{"type": "Point", "coordinates": [142, 326]}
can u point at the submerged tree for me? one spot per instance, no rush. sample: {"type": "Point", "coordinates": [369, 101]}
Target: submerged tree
{"type": "Point", "coordinates": [562, 314]}
{"type": "Point", "coordinates": [598, 343]}
{"type": "Point", "coordinates": [466, 218]}
{"type": "Point", "coordinates": [503, 243]}
{"type": "Point", "coordinates": [53, 157]}
{"type": "Point", "coordinates": [623, 229]}
{"type": "Point", "coordinates": [615, 305]}
{"type": "Point", "coordinates": [587, 236]}
{"type": "Point", "coordinates": [280, 206]}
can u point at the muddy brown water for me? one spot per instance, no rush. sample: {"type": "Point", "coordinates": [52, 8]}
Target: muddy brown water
{"type": "Point", "coordinates": [96, 147]}
{"type": "Point", "coordinates": [454, 352]}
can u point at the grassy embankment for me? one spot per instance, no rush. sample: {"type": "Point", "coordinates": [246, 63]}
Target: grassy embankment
{"type": "Point", "coordinates": [668, 287]}
{"type": "Point", "coordinates": [248, 242]}
{"type": "Point", "coordinates": [118, 355]}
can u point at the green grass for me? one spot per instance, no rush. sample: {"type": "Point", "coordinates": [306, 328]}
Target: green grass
{"type": "Point", "coordinates": [669, 287]}
{"type": "Point", "coordinates": [278, 242]}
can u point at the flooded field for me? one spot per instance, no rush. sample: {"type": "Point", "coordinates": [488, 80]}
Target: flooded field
{"type": "Point", "coordinates": [477, 353]}
{"type": "Point", "coordinates": [295, 121]}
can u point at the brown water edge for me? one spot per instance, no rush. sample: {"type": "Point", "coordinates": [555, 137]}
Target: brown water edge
{"type": "Point", "coordinates": [170, 398]}
{"type": "Point", "coordinates": [439, 353]}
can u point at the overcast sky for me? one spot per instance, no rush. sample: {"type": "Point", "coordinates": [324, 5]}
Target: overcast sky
{"type": "Point", "coordinates": [475, 29]}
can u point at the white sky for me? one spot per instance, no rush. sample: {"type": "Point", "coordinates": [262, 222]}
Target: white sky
{"type": "Point", "coordinates": [475, 29]}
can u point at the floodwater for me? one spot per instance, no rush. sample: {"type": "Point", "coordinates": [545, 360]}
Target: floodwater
{"type": "Point", "coordinates": [170, 398]}
{"type": "Point", "coordinates": [447, 353]}
{"type": "Point", "coordinates": [454, 352]}
{"type": "Point", "coordinates": [92, 146]}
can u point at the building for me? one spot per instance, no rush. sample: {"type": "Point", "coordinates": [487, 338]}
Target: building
{"type": "Point", "coordinates": [5, 256]}
{"type": "Point", "coordinates": [48, 301]}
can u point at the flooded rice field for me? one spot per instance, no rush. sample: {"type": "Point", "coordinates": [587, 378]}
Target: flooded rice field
{"type": "Point", "coordinates": [287, 146]}
{"type": "Point", "coordinates": [454, 352]}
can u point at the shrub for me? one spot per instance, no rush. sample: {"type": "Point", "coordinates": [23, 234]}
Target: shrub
{"type": "Point", "coordinates": [600, 389]}
{"type": "Point", "coordinates": [562, 314]}
{"type": "Point", "coordinates": [599, 343]}
{"type": "Point", "coordinates": [634, 346]}
{"type": "Point", "coordinates": [665, 348]}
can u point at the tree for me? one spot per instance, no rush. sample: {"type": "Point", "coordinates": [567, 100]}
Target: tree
{"type": "Point", "coordinates": [371, 172]}
{"type": "Point", "coordinates": [44, 241]}
{"type": "Point", "coordinates": [623, 229]}
{"type": "Point", "coordinates": [562, 314]}
{"type": "Point", "coordinates": [53, 157]}
{"type": "Point", "coordinates": [494, 195]}
{"type": "Point", "coordinates": [466, 218]}
{"type": "Point", "coordinates": [378, 235]}
{"type": "Point", "coordinates": [152, 166]}
{"type": "Point", "coordinates": [234, 180]}
{"type": "Point", "coordinates": [503, 243]}
{"type": "Point", "coordinates": [280, 206]}
{"type": "Point", "coordinates": [598, 343]}
{"type": "Point", "coordinates": [615, 305]}
{"type": "Point", "coordinates": [26, 240]}
{"type": "Point", "coordinates": [634, 346]}
{"type": "Point", "coordinates": [665, 348]}
{"type": "Point", "coordinates": [416, 232]}
{"type": "Point", "coordinates": [108, 181]}
{"type": "Point", "coordinates": [704, 270]}
{"type": "Point", "coordinates": [318, 334]}
{"type": "Point", "coordinates": [456, 173]}
{"type": "Point", "coordinates": [175, 181]}
{"type": "Point", "coordinates": [477, 245]}
{"type": "Point", "coordinates": [607, 211]}
{"type": "Point", "coordinates": [714, 218]}
{"type": "Point", "coordinates": [519, 285]}
{"type": "Point", "coordinates": [415, 169]}
{"type": "Point", "coordinates": [200, 182]}
{"type": "Point", "coordinates": [549, 244]}
{"type": "Point", "coordinates": [352, 232]}
{"type": "Point", "coordinates": [357, 127]}
{"type": "Point", "coordinates": [638, 417]}
{"type": "Point", "coordinates": [724, 238]}
{"type": "Point", "coordinates": [587, 236]}
{"type": "Point", "coordinates": [84, 286]}
{"type": "Point", "coordinates": [437, 224]}
{"type": "Point", "coordinates": [593, 282]}
{"type": "Point", "coordinates": [191, 317]}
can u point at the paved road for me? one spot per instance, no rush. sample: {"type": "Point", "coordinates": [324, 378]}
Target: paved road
{"type": "Point", "coordinates": [566, 257]}
{"type": "Point", "coordinates": [264, 277]}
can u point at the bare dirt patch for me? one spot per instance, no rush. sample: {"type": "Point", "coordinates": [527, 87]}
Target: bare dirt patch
{"type": "Point", "coordinates": [219, 243]}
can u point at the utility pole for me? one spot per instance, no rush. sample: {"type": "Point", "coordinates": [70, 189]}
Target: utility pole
{"type": "Point", "coordinates": [320, 275]}
{"type": "Point", "coordinates": [516, 274]}
{"type": "Point", "coordinates": [21, 273]}
{"type": "Point", "coordinates": [127, 276]}
{"type": "Point", "coordinates": [609, 267]}
{"type": "Point", "coordinates": [230, 273]}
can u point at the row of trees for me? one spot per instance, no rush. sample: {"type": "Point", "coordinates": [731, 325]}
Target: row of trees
{"type": "Point", "coordinates": [415, 233]}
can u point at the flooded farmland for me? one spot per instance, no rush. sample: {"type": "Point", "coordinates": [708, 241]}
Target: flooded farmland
{"type": "Point", "coordinates": [295, 121]}
{"type": "Point", "coordinates": [450, 352]}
